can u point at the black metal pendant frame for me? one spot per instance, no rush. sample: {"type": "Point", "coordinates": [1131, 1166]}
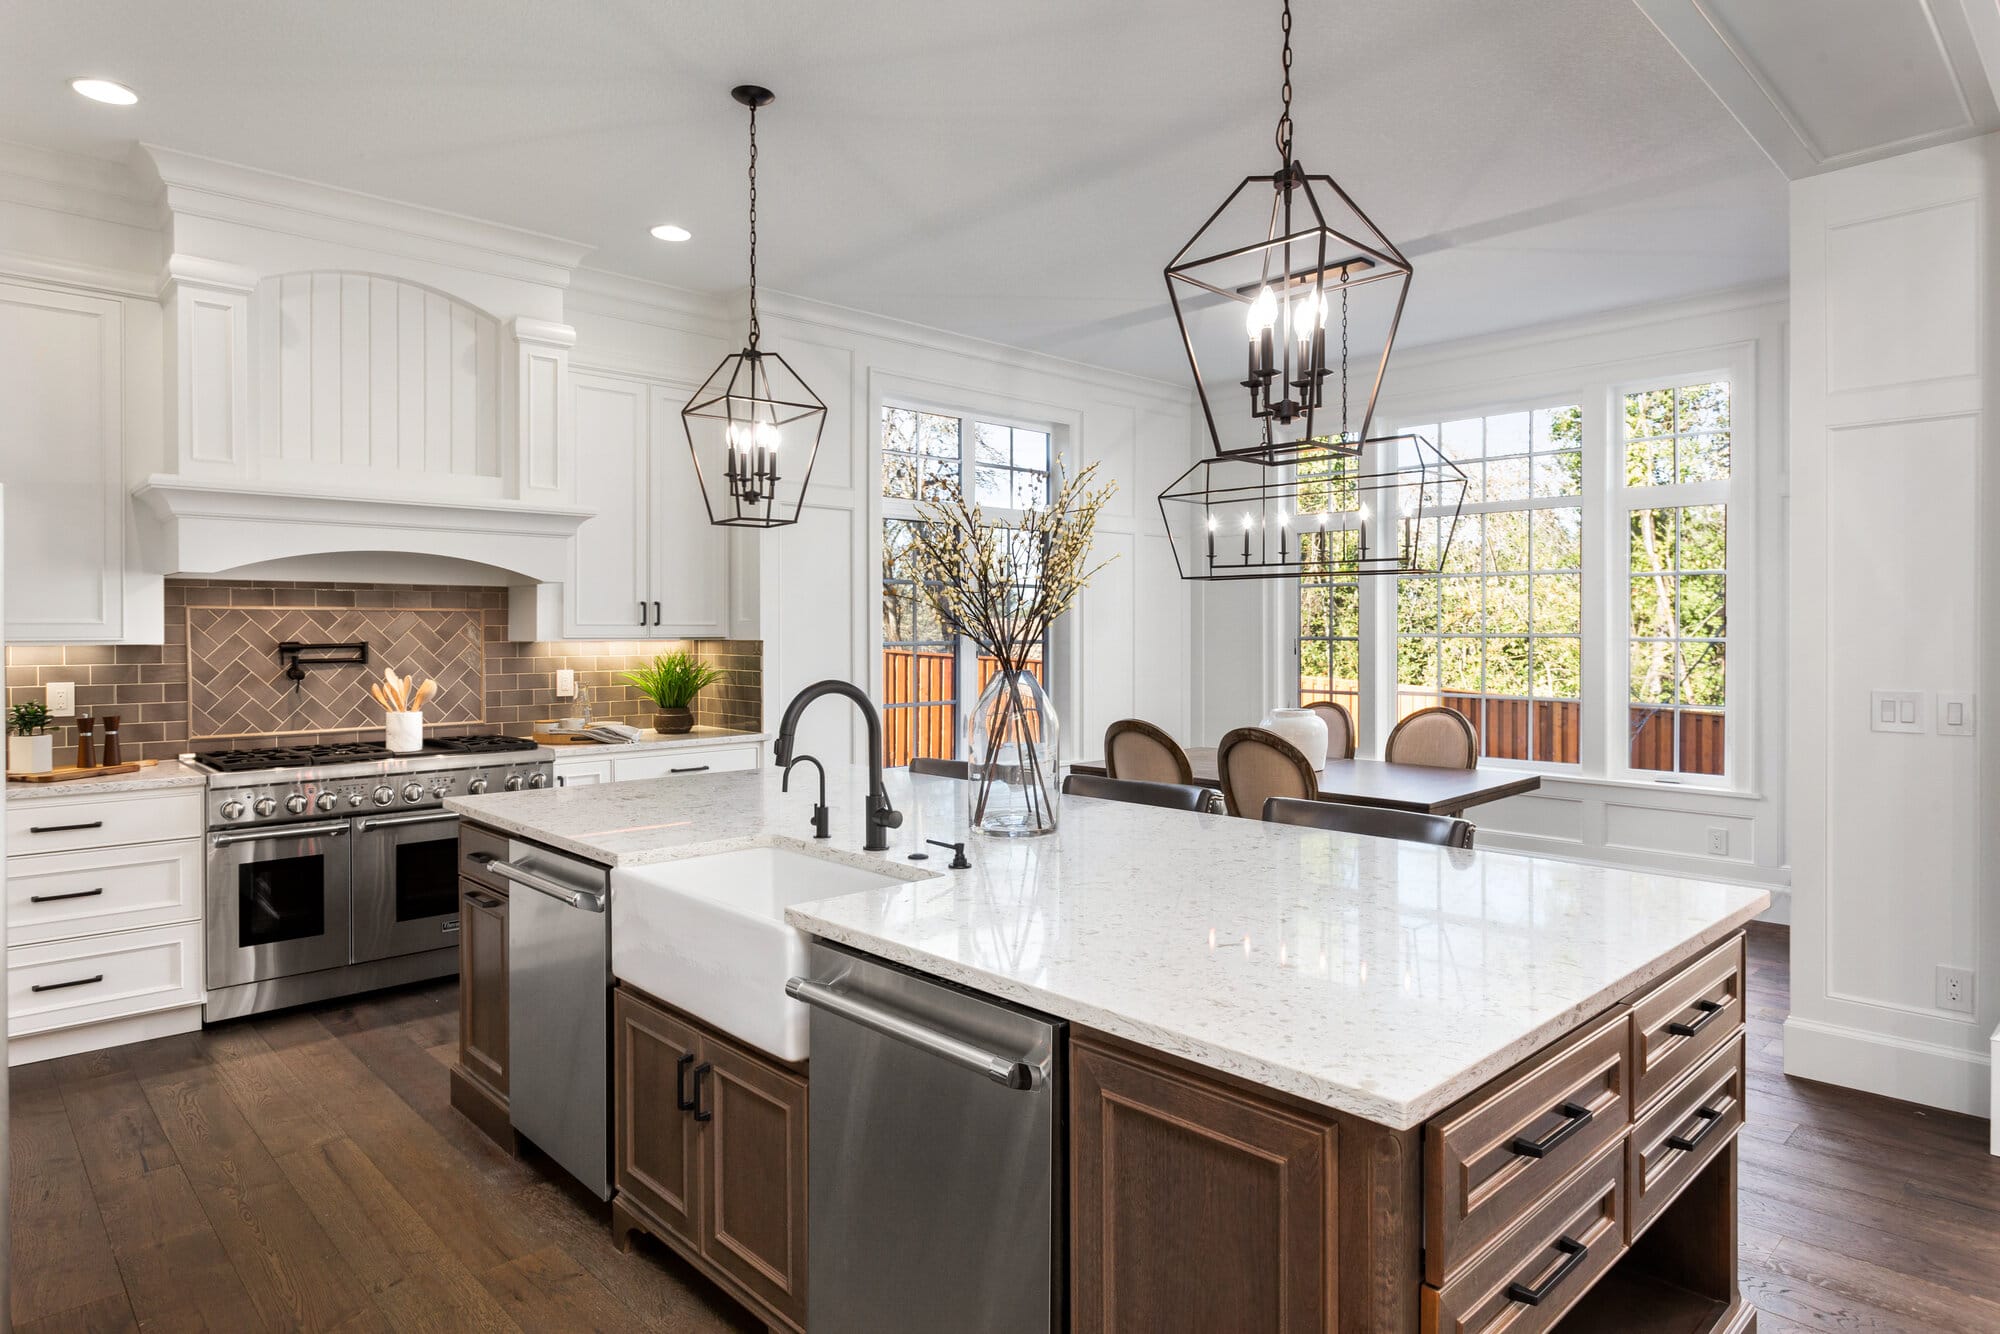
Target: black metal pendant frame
{"type": "Point", "coordinates": [747, 389]}
{"type": "Point", "coordinates": [1316, 512]}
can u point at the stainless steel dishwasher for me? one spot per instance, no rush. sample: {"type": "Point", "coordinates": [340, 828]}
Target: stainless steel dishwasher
{"type": "Point", "coordinates": [559, 1008]}
{"type": "Point", "coordinates": [938, 1148]}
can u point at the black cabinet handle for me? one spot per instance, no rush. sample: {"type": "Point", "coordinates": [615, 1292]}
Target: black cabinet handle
{"type": "Point", "coordinates": [64, 828]}
{"type": "Point", "coordinates": [58, 986]}
{"type": "Point", "coordinates": [561, 781]}
{"type": "Point", "coordinates": [701, 1074]}
{"type": "Point", "coordinates": [656, 613]}
{"type": "Point", "coordinates": [58, 898]}
{"type": "Point", "coordinates": [642, 611]}
{"type": "Point", "coordinates": [691, 769]}
{"type": "Point", "coordinates": [681, 1098]}
{"type": "Point", "coordinates": [1709, 1009]}
{"type": "Point", "coordinates": [1569, 1246]}
{"type": "Point", "coordinates": [1576, 1115]}
{"type": "Point", "coordinates": [1710, 1118]}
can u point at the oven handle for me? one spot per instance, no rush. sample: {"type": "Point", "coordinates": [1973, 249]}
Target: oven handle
{"type": "Point", "coordinates": [281, 831]}
{"type": "Point", "coordinates": [393, 821]}
{"type": "Point", "coordinates": [575, 898]}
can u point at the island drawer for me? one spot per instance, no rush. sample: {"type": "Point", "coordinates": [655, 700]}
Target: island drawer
{"type": "Point", "coordinates": [477, 847]}
{"type": "Point", "coordinates": [1678, 1137]}
{"type": "Point", "coordinates": [1678, 1022]}
{"type": "Point", "coordinates": [1498, 1154]}
{"type": "Point", "coordinates": [1535, 1272]}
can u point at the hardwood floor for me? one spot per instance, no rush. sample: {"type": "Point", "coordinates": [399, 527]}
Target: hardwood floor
{"type": "Point", "coordinates": [304, 1171]}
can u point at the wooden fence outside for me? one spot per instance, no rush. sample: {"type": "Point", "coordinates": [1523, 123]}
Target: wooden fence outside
{"type": "Point", "coordinates": [919, 714]}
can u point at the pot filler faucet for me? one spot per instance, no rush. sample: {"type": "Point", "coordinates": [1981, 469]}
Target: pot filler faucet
{"type": "Point", "coordinates": [882, 817]}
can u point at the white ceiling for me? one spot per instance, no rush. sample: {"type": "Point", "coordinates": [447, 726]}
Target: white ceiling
{"type": "Point", "coordinates": [1019, 172]}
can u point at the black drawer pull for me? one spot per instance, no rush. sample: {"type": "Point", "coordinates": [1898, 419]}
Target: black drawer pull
{"type": "Point", "coordinates": [485, 901]}
{"type": "Point", "coordinates": [1569, 1246]}
{"type": "Point", "coordinates": [701, 1074]}
{"type": "Point", "coordinates": [1576, 1117]}
{"type": "Point", "coordinates": [73, 894]}
{"type": "Point", "coordinates": [691, 769]}
{"type": "Point", "coordinates": [64, 828]}
{"type": "Point", "coordinates": [58, 986]}
{"type": "Point", "coordinates": [1710, 1119]}
{"type": "Point", "coordinates": [1709, 1009]}
{"type": "Point", "coordinates": [681, 1098]}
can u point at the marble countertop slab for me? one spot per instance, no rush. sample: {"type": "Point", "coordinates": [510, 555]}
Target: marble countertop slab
{"type": "Point", "coordinates": [1382, 979]}
{"type": "Point", "coordinates": [165, 774]}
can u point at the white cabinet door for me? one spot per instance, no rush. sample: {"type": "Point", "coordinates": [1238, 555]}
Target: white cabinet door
{"type": "Point", "coordinates": [690, 554]}
{"type": "Point", "coordinates": [62, 460]}
{"type": "Point", "coordinates": [610, 594]}
{"type": "Point", "coordinates": [581, 773]}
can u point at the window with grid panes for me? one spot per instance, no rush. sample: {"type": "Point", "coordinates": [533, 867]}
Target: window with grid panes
{"type": "Point", "coordinates": [1677, 478]}
{"type": "Point", "coordinates": [1497, 636]}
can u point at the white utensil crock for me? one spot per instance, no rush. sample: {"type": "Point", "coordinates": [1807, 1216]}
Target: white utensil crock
{"type": "Point", "coordinates": [405, 732]}
{"type": "Point", "coordinates": [1303, 728]}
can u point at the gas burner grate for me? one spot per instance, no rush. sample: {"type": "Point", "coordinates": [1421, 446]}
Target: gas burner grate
{"type": "Point", "coordinates": [290, 757]}
{"type": "Point", "coordinates": [484, 743]}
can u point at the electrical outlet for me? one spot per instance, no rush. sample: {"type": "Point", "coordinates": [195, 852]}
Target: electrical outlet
{"type": "Point", "coordinates": [1718, 841]}
{"type": "Point", "coordinates": [565, 683]}
{"type": "Point", "coordinates": [1954, 989]}
{"type": "Point", "coordinates": [61, 698]}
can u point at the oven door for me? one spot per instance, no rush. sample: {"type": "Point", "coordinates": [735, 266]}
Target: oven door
{"type": "Point", "coordinates": [405, 884]}
{"type": "Point", "coordinates": [278, 902]}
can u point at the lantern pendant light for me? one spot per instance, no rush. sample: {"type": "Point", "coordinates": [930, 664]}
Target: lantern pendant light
{"type": "Point", "coordinates": [753, 426]}
{"type": "Point", "coordinates": [1287, 252]}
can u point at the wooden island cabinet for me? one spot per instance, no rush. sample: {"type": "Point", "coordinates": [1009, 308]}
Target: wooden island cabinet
{"type": "Point", "coordinates": [1590, 1189]}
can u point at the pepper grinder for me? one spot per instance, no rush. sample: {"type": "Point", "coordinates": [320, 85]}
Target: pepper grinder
{"type": "Point", "coordinates": [84, 724]}
{"type": "Point", "coordinates": [110, 738]}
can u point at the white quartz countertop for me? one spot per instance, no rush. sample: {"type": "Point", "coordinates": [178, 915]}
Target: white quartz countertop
{"type": "Point", "coordinates": [700, 736]}
{"type": "Point", "coordinates": [1378, 978]}
{"type": "Point", "coordinates": [165, 774]}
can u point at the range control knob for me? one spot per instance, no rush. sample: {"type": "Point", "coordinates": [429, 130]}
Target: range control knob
{"type": "Point", "coordinates": [513, 782]}
{"type": "Point", "coordinates": [476, 786]}
{"type": "Point", "coordinates": [384, 795]}
{"type": "Point", "coordinates": [296, 803]}
{"type": "Point", "coordinates": [355, 798]}
{"type": "Point", "coordinates": [265, 806]}
{"type": "Point", "coordinates": [413, 791]}
{"type": "Point", "coordinates": [326, 801]}
{"type": "Point", "coordinates": [538, 780]}
{"type": "Point", "coordinates": [232, 809]}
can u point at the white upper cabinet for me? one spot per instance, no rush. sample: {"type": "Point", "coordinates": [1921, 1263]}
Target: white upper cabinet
{"type": "Point", "coordinates": [62, 461]}
{"type": "Point", "coordinates": [648, 563]}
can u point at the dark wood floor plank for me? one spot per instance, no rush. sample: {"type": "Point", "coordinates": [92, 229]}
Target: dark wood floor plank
{"type": "Point", "coordinates": [60, 1258]}
{"type": "Point", "coordinates": [550, 1290]}
{"type": "Point", "coordinates": [117, 1131]}
{"type": "Point", "coordinates": [107, 1315]}
{"type": "Point", "coordinates": [177, 1272]}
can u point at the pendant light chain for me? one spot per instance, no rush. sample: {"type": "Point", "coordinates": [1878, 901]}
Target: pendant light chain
{"type": "Point", "coordinates": [753, 226]}
{"type": "Point", "coordinates": [1285, 117]}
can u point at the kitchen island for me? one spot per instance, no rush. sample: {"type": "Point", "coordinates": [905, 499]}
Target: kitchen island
{"type": "Point", "coordinates": [1320, 1081]}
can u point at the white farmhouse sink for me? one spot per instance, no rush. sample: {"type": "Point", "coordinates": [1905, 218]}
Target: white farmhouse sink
{"type": "Point", "coordinates": [708, 935]}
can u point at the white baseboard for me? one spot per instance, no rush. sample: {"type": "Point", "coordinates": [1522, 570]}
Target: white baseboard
{"type": "Point", "coordinates": [1922, 1072]}
{"type": "Point", "coordinates": [96, 1037]}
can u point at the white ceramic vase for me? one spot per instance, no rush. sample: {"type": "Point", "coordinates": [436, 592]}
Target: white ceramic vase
{"type": "Point", "coordinates": [31, 754]}
{"type": "Point", "coordinates": [405, 732]}
{"type": "Point", "coordinates": [1303, 728]}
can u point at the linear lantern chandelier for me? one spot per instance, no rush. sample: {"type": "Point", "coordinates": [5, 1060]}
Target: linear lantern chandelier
{"type": "Point", "coordinates": [1322, 513]}
{"type": "Point", "coordinates": [754, 425]}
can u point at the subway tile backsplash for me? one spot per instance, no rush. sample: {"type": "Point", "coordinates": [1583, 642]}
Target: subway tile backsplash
{"type": "Point", "coordinates": [148, 685]}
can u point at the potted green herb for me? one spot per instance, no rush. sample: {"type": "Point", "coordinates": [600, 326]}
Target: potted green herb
{"type": "Point", "coordinates": [672, 681]}
{"type": "Point", "coordinates": [30, 749]}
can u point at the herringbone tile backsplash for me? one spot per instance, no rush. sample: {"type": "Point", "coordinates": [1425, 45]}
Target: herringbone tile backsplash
{"type": "Point", "coordinates": [218, 682]}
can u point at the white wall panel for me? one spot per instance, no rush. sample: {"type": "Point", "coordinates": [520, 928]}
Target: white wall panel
{"type": "Point", "coordinates": [1908, 308]}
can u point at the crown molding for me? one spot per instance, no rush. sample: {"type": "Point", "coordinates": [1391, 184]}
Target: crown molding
{"type": "Point", "coordinates": [70, 183]}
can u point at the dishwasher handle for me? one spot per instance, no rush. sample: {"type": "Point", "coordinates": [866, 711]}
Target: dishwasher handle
{"type": "Point", "coordinates": [1002, 1070]}
{"type": "Point", "coordinates": [575, 898]}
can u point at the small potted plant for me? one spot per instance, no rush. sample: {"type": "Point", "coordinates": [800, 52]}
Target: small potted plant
{"type": "Point", "coordinates": [30, 748]}
{"type": "Point", "coordinates": [672, 681]}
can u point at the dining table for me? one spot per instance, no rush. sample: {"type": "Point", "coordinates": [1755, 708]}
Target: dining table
{"type": "Point", "coordinates": [1402, 787]}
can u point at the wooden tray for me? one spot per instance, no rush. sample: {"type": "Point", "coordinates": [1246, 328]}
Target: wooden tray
{"type": "Point", "coordinates": [69, 773]}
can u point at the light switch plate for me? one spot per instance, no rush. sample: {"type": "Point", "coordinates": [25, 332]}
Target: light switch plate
{"type": "Point", "coordinates": [1896, 710]}
{"type": "Point", "coordinates": [565, 683]}
{"type": "Point", "coordinates": [60, 696]}
{"type": "Point", "coordinates": [1957, 713]}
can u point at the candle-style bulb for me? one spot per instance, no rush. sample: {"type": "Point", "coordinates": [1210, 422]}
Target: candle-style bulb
{"type": "Point", "coordinates": [1263, 312]}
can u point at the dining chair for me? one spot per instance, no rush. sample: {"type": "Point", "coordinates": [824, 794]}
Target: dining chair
{"type": "Point", "coordinates": [1134, 748]}
{"type": "Point", "coordinates": [1344, 817]}
{"type": "Point", "coordinates": [1437, 738]}
{"type": "Point", "coordinates": [924, 765]}
{"type": "Point", "coordinates": [1169, 796]}
{"type": "Point", "coordinates": [1257, 765]}
{"type": "Point", "coordinates": [1339, 728]}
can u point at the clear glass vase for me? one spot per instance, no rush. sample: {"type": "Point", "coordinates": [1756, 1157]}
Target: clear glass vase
{"type": "Point", "coordinates": [1013, 741]}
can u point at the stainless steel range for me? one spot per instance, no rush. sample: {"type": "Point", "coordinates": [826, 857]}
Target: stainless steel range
{"type": "Point", "coordinates": [333, 869]}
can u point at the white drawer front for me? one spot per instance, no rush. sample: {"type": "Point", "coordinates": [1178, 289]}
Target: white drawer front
{"type": "Point", "coordinates": [101, 822]}
{"type": "Point", "coordinates": [104, 977]}
{"type": "Point", "coordinates": [674, 763]}
{"type": "Point", "coordinates": [575, 773]}
{"type": "Point", "coordinates": [66, 894]}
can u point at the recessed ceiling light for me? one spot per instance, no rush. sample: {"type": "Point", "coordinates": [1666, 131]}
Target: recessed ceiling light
{"type": "Point", "coordinates": [667, 231]}
{"type": "Point", "coordinates": [104, 90]}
